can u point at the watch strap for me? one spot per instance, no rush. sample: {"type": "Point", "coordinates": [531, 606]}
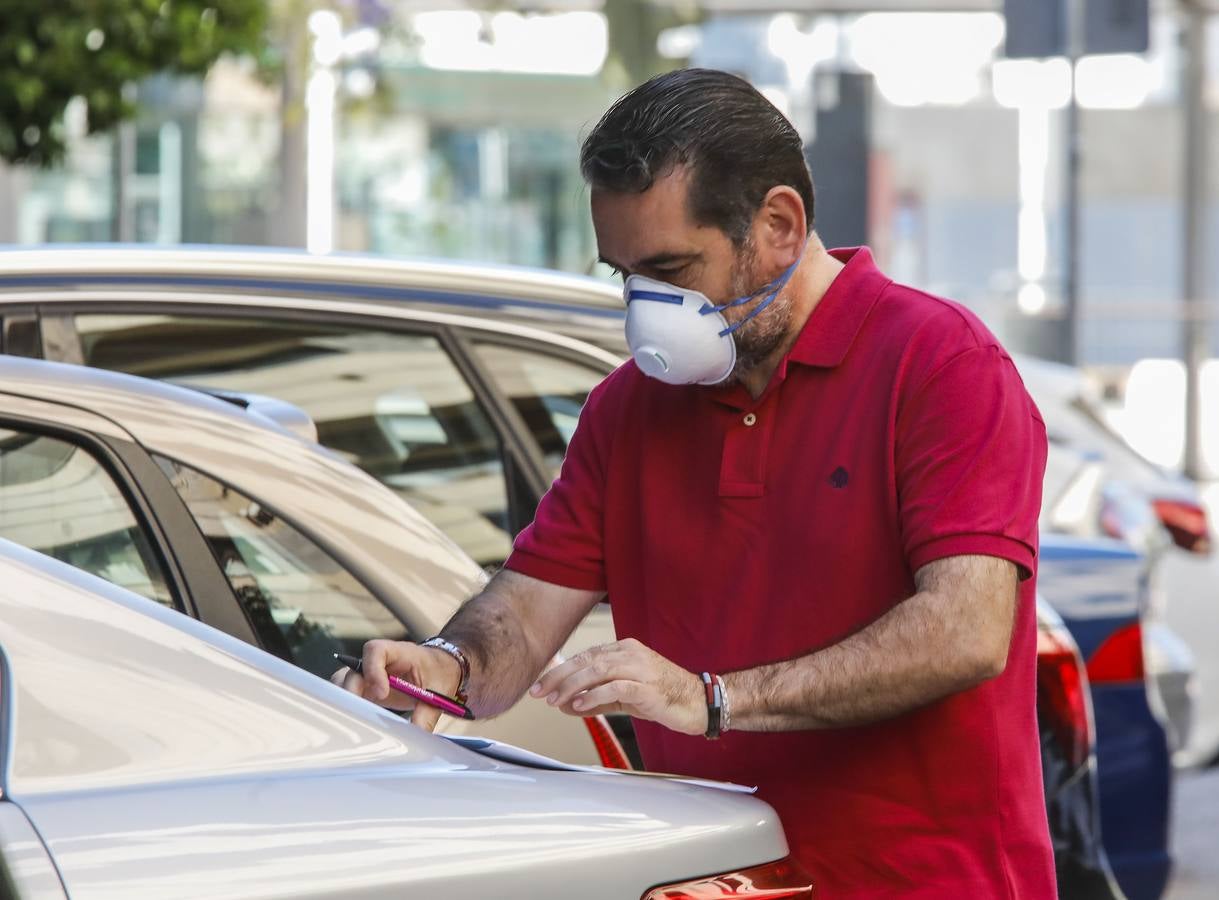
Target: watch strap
{"type": "Point", "coordinates": [454, 651]}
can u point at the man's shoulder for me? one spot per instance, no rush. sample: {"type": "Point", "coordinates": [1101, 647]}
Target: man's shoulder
{"type": "Point", "coordinates": [923, 316]}
{"type": "Point", "coordinates": [926, 331]}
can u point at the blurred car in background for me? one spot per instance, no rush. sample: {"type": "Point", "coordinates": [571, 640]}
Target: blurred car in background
{"type": "Point", "coordinates": [1134, 490]}
{"type": "Point", "coordinates": [131, 734]}
{"type": "Point", "coordinates": [1074, 494]}
{"type": "Point", "coordinates": [458, 386]}
{"type": "Point", "coordinates": [220, 513]}
{"type": "Point", "coordinates": [1068, 764]}
{"type": "Point", "coordinates": [1098, 588]}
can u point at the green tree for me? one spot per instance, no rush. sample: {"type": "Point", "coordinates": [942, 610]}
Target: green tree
{"type": "Point", "coordinates": [52, 53]}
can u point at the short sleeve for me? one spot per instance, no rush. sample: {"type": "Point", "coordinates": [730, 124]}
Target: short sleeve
{"type": "Point", "coordinates": [970, 457]}
{"type": "Point", "coordinates": [564, 543]}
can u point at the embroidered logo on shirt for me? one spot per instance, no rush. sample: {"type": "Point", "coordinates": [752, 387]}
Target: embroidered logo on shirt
{"type": "Point", "coordinates": [840, 478]}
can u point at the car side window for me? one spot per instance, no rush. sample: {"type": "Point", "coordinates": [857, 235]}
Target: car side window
{"type": "Point", "coordinates": [302, 603]}
{"type": "Point", "coordinates": [548, 392]}
{"type": "Point", "coordinates": [393, 403]}
{"type": "Point", "coordinates": [58, 499]}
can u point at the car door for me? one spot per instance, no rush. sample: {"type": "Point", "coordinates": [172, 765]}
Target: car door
{"type": "Point", "coordinates": [546, 386]}
{"type": "Point", "coordinates": [400, 400]}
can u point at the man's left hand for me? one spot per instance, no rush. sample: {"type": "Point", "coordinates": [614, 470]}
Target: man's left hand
{"type": "Point", "coordinates": [627, 677]}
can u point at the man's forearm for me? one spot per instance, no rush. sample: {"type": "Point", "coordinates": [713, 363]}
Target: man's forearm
{"type": "Point", "coordinates": [504, 661]}
{"type": "Point", "coordinates": [908, 658]}
{"type": "Point", "coordinates": [510, 632]}
{"type": "Point", "coordinates": [954, 633]}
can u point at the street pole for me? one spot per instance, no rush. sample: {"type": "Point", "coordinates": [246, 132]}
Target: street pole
{"type": "Point", "coordinates": [122, 219]}
{"type": "Point", "coordinates": [1195, 321]}
{"type": "Point", "coordinates": [1073, 30]}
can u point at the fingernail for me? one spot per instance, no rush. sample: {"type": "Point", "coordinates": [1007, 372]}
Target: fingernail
{"type": "Point", "coordinates": [577, 704]}
{"type": "Point", "coordinates": [553, 697]}
{"type": "Point", "coordinates": [536, 689]}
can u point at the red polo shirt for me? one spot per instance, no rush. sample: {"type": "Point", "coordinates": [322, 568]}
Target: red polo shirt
{"type": "Point", "coordinates": [731, 532]}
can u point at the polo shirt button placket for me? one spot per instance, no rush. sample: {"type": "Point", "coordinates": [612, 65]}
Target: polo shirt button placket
{"type": "Point", "coordinates": [743, 464]}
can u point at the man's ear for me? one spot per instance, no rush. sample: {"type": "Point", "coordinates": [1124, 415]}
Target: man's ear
{"type": "Point", "coordinates": [780, 224]}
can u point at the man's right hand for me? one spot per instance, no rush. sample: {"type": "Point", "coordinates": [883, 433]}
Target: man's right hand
{"type": "Point", "coordinates": [426, 667]}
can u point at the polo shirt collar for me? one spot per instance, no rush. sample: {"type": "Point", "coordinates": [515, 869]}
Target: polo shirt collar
{"type": "Point", "coordinates": [831, 329]}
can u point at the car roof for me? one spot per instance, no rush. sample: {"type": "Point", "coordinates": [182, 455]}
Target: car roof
{"type": "Point", "coordinates": [109, 260]}
{"type": "Point", "coordinates": [125, 398]}
{"type": "Point", "coordinates": [532, 303]}
{"type": "Point", "coordinates": [355, 517]}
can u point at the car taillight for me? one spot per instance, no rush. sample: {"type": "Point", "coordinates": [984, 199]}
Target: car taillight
{"type": "Point", "coordinates": [1119, 658]}
{"type": "Point", "coordinates": [1062, 695]}
{"type": "Point", "coordinates": [1187, 524]}
{"type": "Point", "coordinates": [611, 752]}
{"type": "Point", "coordinates": [782, 880]}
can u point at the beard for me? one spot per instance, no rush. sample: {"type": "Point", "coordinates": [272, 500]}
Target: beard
{"type": "Point", "coordinates": [762, 335]}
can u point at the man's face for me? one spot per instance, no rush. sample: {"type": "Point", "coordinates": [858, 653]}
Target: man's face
{"type": "Point", "coordinates": [652, 234]}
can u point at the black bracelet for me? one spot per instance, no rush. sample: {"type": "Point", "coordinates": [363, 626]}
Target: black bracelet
{"type": "Point", "coordinates": [715, 705]}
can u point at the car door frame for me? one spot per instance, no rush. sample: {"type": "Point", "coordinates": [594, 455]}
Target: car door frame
{"type": "Point", "coordinates": [198, 587]}
{"type": "Point", "coordinates": [476, 333]}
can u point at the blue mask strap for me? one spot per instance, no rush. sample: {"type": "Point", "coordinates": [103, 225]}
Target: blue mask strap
{"type": "Point", "coordinates": [772, 290]}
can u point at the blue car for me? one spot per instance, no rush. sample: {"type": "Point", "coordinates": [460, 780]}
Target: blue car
{"type": "Point", "coordinates": [458, 386]}
{"type": "Point", "coordinates": [1099, 588]}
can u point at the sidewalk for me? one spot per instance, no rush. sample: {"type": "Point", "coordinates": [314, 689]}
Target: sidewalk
{"type": "Point", "coordinates": [1195, 837]}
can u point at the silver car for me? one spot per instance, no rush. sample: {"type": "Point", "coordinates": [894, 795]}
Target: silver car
{"type": "Point", "coordinates": [147, 756]}
{"type": "Point", "coordinates": [218, 512]}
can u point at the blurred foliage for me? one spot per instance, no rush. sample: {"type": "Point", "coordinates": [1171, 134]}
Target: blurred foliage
{"type": "Point", "coordinates": [95, 49]}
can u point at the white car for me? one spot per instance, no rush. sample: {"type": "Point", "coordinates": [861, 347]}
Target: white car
{"type": "Point", "coordinates": [147, 756]}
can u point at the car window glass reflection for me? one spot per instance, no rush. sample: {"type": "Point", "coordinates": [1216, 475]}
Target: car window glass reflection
{"type": "Point", "coordinates": [56, 498]}
{"type": "Point", "coordinates": [394, 404]}
{"type": "Point", "coordinates": [304, 606]}
{"type": "Point", "coordinates": [548, 392]}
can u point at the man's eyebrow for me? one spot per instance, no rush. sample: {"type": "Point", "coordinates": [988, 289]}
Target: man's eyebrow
{"type": "Point", "coordinates": [656, 259]}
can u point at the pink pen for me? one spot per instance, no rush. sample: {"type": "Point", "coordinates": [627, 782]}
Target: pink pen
{"type": "Point", "coordinates": [423, 695]}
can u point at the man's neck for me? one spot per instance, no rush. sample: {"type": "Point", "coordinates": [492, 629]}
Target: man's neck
{"type": "Point", "coordinates": [807, 286]}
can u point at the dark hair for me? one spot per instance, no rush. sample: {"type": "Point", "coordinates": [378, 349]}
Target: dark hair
{"type": "Point", "coordinates": [736, 143]}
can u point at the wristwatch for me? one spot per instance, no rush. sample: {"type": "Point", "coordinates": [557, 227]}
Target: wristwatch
{"type": "Point", "coordinates": [454, 651]}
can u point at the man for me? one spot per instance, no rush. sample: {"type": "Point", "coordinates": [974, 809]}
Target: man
{"type": "Point", "coordinates": [817, 487]}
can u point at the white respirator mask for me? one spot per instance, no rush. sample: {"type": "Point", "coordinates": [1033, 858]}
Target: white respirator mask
{"type": "Point", "coordinates": [679, 336]}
